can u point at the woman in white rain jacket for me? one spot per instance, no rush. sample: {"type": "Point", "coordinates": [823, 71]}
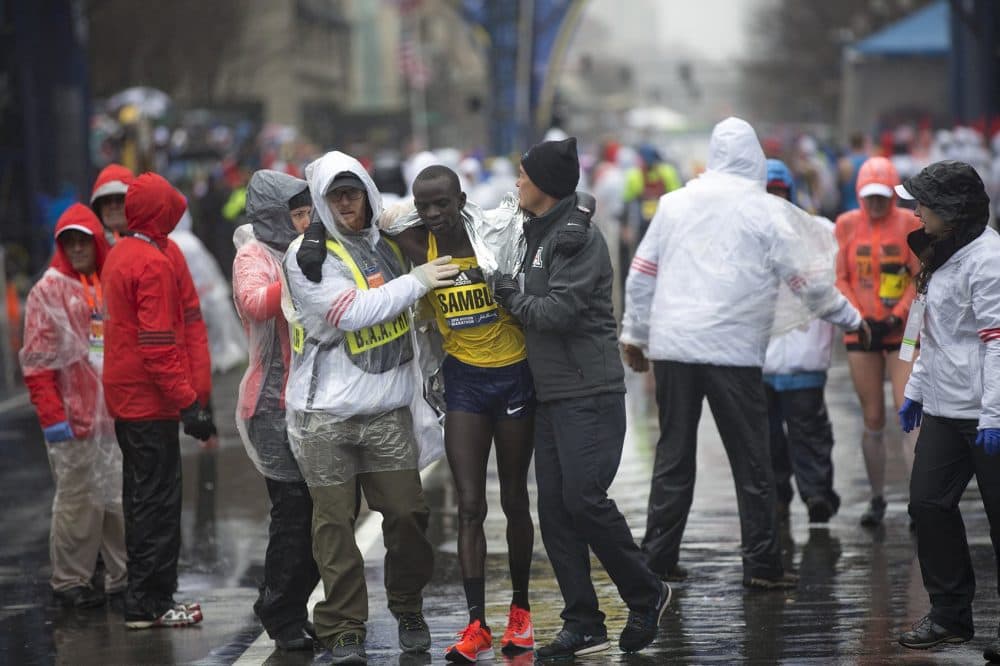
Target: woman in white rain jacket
{"type": "Point", "coordinates": [954, 390]}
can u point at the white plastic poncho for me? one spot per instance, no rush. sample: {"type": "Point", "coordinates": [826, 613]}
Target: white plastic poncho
{"type": "Point", "coordinates": [226, 343]}
{"type": "Point", "coordinates": [260, 248]}
{"type": "Point", "coordinates": [353, 349]}
{"type": "Point", "coordinates": [88, 468]}
{"type": "Point", "coordinates": [703, 287]}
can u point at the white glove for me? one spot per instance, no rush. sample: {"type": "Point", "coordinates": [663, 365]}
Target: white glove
{"type": "Point", "coordinates": [436, 274]}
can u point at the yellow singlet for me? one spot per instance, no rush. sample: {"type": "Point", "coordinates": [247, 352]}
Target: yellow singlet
{"type": "Point", "coordinates": [475, 330]}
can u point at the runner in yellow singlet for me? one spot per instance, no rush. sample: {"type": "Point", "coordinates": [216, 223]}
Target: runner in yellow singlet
{"type": "Point", "coordinates": [490, 397]}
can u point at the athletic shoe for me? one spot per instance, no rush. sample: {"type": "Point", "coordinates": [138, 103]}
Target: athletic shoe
{"type": "Point", "coordinates": [474, 643]}
{"type": "Point", "coordinates": [820, 511]}
{"type": "Point", "coordinates": [785, 581]}
{"type": "Point", "coordinates": [414, 635]}
{"type": "Point", "coordinates": [568, 644]}
{"type": "Point", "coordinates": [79, 597]}
{"type": "Point", "coordinates": [520, 634]}
{"type": "Point", "coordinates": [677, 574]}
{"type": "Point", "coordinates": [640, 628]}
{"type": "Point", "coordinates": [873, 515]}
{"type": "Point", "coordinates": [926, 634]}
{"type": "Point", "coordinates": [349, 648]}
{"type": "Point", "coordinates": [174, 617]}
{"type": "Point", "coordinates": [992, 654]}
{"type": "Point", "coordinates": [293, 638]}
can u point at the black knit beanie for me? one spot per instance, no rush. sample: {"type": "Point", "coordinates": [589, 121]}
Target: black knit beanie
{"type": "Point", "coordinates": [301, 199]}
{"type": "Point", "coordinates": [553, 167]}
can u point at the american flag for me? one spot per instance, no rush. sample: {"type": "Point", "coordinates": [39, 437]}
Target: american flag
{"type": "Point", "coordinates": [411, 59]}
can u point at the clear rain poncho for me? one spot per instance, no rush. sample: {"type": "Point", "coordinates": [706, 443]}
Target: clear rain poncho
{"type": "Point", "coordinates": [704, 286]}
{"type": "Point", "coordinates": [353, 375]}
{"type": "Point", "coordinates": [88, 468]}
{"type": "Point", "coordinates": [260, 248]}
{"type": "Point", "coordinates": [226, 343]}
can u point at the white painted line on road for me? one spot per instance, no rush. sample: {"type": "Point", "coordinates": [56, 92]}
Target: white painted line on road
{"type": "Point", "coordinates": [366, 535]}
{"type": "Point", "coordinates": [16, 402]}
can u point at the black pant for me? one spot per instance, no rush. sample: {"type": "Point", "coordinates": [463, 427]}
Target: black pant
{"type": "Point", "coordinates": [290, 572]}
{"type": "Point", "coordinates": [736, 397]}
{"type": "Point", "coordinates": [151, 498]}
{"type": "Point", "coordinates": [804, 449]}
{"type": "Point", "coordinates": [946, 458]}
{"type": "Point", "coordinates": [578, 446]}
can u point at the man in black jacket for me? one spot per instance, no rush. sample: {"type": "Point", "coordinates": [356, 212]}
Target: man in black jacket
{"type": "Point", "coordinates": [570, 332]}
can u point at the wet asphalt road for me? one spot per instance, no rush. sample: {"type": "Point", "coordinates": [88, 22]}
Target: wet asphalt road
{"type": "Point", "coordinates": [859, 587]}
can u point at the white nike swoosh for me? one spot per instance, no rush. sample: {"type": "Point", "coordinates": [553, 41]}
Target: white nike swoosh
{"type": "Point", "coordinates": [511, 412]}
{"type": "Point", "coordinates": [523, 634]}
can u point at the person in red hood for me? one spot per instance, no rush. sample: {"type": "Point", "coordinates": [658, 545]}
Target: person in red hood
{"type": "Point", "coordinates": [107, 199]}
{"type": "Point", "coordinates": [61, 362]}
{"type": "Point", "coordinates": [875, 271]}
{"type": "Point", "coordinates": [150, 385]}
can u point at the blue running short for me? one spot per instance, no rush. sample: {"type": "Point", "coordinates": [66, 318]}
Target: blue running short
{"type": "Point", "coordinates": [503, 393]}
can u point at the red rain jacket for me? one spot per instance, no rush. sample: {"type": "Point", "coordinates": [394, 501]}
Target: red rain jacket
{"type": "Point", "coordinates": [62, 383]}
{"type": "Point", "coordinates": [156, 352]}
{"type": "Point", "coordinates": [875, 265]}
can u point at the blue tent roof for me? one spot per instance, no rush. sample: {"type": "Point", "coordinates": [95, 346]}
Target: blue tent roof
{"type": "Point", "coordinates": [926, 32]}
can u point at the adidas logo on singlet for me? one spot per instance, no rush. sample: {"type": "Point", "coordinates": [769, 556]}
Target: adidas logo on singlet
{"type": "Point", "coordinates": [462, 280]}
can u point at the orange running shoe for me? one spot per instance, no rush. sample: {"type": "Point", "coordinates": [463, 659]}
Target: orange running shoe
{"type": "Point", "coordinates": [474, 643]}
{"type": "Point", "coordinates": [520, 634]}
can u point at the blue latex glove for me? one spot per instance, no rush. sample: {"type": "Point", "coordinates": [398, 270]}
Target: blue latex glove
{"type": "Point", "coordinates": [59, 432]}
{"type": "Point", "coordinates": [910, 414]}
{"type": "Point", "coordinates": [989, 439]}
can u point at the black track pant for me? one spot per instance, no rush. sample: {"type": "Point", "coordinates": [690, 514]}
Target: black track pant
{"type": "Point", "coordinates": [946, 458]}
{"type": "Point", "coordinates": [801, 444]}
{"type": "Point", "coordinates": [736, 398]}
{"type": "Point", "coordinates": [151, 497]}
{"type": "Point", "coordinates": [290, 573]}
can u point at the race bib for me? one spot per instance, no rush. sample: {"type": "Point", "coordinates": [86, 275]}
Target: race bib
{"type": "Point", "coordinates": [95, 350]}
{"type": "Point", "coordinates": [468, 303]}
{"type": "Point", "coordinates": [893, 281]}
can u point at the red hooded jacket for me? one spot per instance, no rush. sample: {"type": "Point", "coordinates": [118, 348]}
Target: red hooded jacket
{"type": "Point", "coordinates": [875, 266]}
{"type": "Point", "coordinates": [63, 384]}
{"type": "Point", "coordinates": [156, 360]}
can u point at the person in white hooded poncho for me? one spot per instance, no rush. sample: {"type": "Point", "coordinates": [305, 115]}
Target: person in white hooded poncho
{"type": "Point", "coordinates": [351, 384]}
{"type": "Point", "coordinates": [701, 303]}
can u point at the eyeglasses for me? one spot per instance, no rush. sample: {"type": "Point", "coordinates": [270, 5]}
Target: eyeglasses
{"type": "Point", "coordinates": [349, 193]}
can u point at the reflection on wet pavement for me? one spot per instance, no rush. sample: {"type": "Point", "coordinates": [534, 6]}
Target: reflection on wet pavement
{"type": "Point", "coordinates": [859, 588]}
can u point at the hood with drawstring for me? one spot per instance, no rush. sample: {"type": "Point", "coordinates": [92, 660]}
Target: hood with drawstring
{"type": "Point", "coordinates": [80, 218]}
{"type": "Point", "coordinates": [153, 207]}
{"type": "Point", "coordinates": [735, 150]}
{"type": "Point", "coordinates": [268, 196]}
{"type": "Point", "coordinates": [113, 179]}
{"type": "Point", "coordinates": [321, 173]}
{"type": "Point", "coordinates": [877, 176]}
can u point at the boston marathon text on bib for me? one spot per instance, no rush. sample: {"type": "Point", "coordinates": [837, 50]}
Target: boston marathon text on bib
{"type": "Point", "coordinates": [468, 303]}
